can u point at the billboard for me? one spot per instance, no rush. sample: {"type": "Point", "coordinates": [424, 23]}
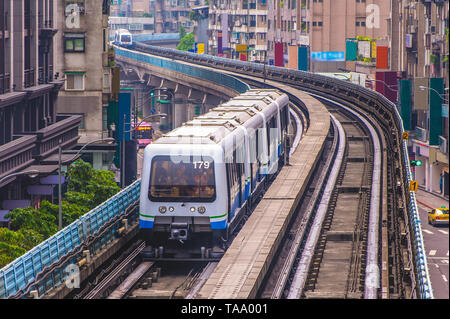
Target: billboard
{"type": "Point", "coordinates": [328, 56]}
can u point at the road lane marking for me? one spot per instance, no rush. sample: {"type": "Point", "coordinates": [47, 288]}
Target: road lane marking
{"type": "Point", "coordinates": [433, 252]}
{"type": "Point", "coordinates": [445, 278]}
{"type": "Point", "coordinates": [447, 253]}
{"type": "Point", "coordinates": [443, 231]}
{"type": "Point", "coordinates": [427, 231]}
{"type": "Point", "coordinates": [444, 261]}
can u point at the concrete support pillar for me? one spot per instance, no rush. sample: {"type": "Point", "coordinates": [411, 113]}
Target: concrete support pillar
{"type": "Point", "coordinates": [97, 160]}
{"type": "Point", "coordinates": [180, 114]}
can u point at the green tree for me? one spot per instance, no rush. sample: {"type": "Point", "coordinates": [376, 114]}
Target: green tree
{"type": "Point", "coordinates": [89, 186]}
{"type": "Point", "coordinates": [187, 42]}
{"type": "Point", "coordinates": [69, 211]}
{"type": "Point", "coordinates": [32, 219]}
{"type": "Point", "coordinates": [182, 31]}
{"type": "Point", "coordinates": [9, 252]}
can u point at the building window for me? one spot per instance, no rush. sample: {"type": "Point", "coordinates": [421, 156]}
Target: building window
{"type": "Point", "coordinates": [105, 118]}
{"type": "Point", "coordinates": [319, 23]}
{"type": "Point", "coordinates": [106, 81]}
{"type": "Point", "coordinates": [314, 23]}
{"type": "Point", "coordinates": [357, 23]}
{"type": "Point", "coordinates": [74, 42]}
{"type": "Point", "coordinates": [75, 81]}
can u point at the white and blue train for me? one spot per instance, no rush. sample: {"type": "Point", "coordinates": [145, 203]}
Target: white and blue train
{"type": "Point", "coordinates": [201, 178]}
{"type": "Point", "coordinates": [123, 38]}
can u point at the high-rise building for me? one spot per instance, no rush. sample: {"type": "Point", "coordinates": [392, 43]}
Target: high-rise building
{"type": "Point", "coordinates": [31, 128]}
{"type": "Point", "coordinates": [238, 29]}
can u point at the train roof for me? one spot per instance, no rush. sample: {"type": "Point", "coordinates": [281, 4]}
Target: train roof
{"type": "Point", "coordinates": [213, 126]}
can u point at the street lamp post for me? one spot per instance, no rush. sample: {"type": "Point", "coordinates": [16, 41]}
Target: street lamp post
{"type": "Point", "coordinates": [33, 173]}
{"type": "Point", "coordinates": [442, 96]}
{"type": "Point", "coordinates": [59, 173]}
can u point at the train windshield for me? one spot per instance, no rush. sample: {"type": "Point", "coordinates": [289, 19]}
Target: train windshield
{"type": "Point", "coordinates": [126, 38]}
{"type": "Point", "coordinates": [172, 179]}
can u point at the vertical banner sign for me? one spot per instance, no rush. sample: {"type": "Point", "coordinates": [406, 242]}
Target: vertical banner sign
{"type": "Point", "coordinates": [219, 43]}
{"type": "Point", "coordinates": [405, 103]}
{"type": "Point", "coordinates": [374, 49]}
{"type": "Point", "coordinates": [421, 96]}
{"type": "Point", "coordinates": [279, 54]}
{"type": "Point", "coordinates": [382, 57]}
{"type": "Point", "coordinates": [200, 48]}
{"type": "Point", "coordinates": [386, 84]}
{"type": "Point", "coordinates": [293, 57]}
{"type": "Point", "coordinates": [364, 49]}
{"type": "Point", "coordinates": [303, 58]}
{"type": "Point", "coordinates": [391, 92]}
{"type": "Point", "coordinates": [225, 30]}
{"type": "Point", "coordinates": [436, 84]}
{"type": "Point", "coordinates": [351, 48]}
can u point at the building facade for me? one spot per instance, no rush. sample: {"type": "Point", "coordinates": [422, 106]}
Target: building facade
{"type": "Point", "coordinates": [84, 60]}
{"type": "Point", "coordinates": [31, 130]}
{"type": "Point", "coordinates": [169, 14]}
{"type": "Point", "coordinates": [238, 29]}
{"type": "Point", "coordinates": [419, 50]}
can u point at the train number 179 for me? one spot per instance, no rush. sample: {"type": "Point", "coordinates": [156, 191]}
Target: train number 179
{"type": "Point", "coordinates": [201, 164]}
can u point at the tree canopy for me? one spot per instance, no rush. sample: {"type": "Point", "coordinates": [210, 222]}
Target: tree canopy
{"type": "Point", "coordinates": [187, 42]}
{"type": "Point", "coordinates": [86, 189]}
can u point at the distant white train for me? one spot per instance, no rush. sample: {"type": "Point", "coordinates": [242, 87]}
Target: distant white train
{"type": "Point", "coordinates": [201, 178]}
{"type": "Point", "coordinates": [123, 38]}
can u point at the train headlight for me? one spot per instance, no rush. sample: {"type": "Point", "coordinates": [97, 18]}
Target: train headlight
{"type": "Point", "coordinates": [171, 209]}
{"type": "Point", "coordinates": [162, 209]}
{"type": "Point", "coordinates": [192, 209]}
{"type": "Point", "coordinates": [201, 209]}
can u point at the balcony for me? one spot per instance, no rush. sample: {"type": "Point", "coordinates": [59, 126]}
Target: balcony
{"type": "Point", "coordinates": [5, 83]}
{"type": "Point", "coordinates": [65, 129]}
{"type": "Point", "coordinates": [28, 78]}
{"type": "Point", "coordinates": [16, 155]}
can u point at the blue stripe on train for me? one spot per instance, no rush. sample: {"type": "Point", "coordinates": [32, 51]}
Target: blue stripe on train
{"type": "Point", "coordinates": [247, 190]}
{"type": "Point", "coordinates": [145, 224]}
{"type": "Point", "coordinates": [219, 225]}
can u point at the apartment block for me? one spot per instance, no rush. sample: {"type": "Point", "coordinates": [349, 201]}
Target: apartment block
{"type": "Point", "coordinates": [238, 29]}
{"type": "Point", "coordinates": [31, 128]}
{"type": "Point", "coordinates": [84, 60]}
{"type": "Point", "coordinates": [419, 50]}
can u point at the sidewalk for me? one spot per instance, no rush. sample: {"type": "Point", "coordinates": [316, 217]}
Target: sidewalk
{"type": "Point", "coordinates": [429, 200]}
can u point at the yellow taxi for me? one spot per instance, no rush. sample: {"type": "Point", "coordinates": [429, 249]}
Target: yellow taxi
{"type": "Point", "coordinates": [438, 216]}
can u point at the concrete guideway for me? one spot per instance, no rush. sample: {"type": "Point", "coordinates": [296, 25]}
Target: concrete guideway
{"type": "Point", "coordinates": [240, 272]}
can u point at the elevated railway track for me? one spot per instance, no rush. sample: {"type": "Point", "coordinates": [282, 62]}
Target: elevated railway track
{"type": "Point", "coordinates": [381, 236]}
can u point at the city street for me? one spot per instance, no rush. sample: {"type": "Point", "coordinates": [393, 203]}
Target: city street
{"type": "Point", "coordinates": [436, 244]}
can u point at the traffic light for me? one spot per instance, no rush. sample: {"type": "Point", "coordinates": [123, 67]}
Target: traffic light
{"type": "Point", "coordinates": [152, 94]}
{"type": "Point", "coordinates": [197, 110]}
{"type": "Point", "coordinates": [415, 163]}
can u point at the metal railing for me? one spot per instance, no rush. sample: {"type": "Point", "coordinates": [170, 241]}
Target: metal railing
{"type": "Point", "coordinates": [21, 272]}
{"type": "Point", "coordinates": [364, 97]}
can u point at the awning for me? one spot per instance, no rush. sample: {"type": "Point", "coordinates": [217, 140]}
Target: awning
{"type": "Point", "coordinates": [65, 159]}
{"type": "Point", "coordinates": [42, 169]}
